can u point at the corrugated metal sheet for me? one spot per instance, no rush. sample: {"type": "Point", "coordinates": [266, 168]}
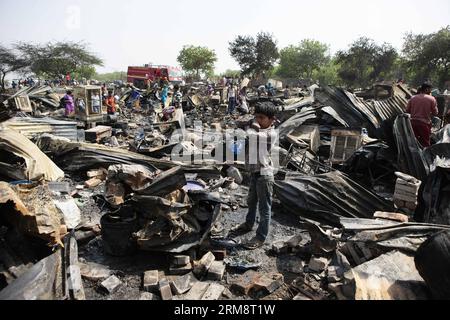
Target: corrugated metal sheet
{"type": "Point", "coordinates": [358, 112]}
{"type": "Point", "coordinates": [327, 197]}
{"type": "Point", "coordinates": [31, 127]}
{"type": "Point", "coordinates": [411, 159]}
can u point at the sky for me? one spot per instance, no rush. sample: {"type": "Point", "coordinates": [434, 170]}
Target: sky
{"type": "Point", "coordinates": [135, 32]}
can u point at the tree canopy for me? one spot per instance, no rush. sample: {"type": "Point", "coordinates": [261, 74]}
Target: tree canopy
{"type": "Point", "coordinates": [427, 57]}
{"type": "Point", "coordinates": [366, 62]}
{"type": "Point", "coordinates": [10, 61]}
{"type": "Point", "coordinates": [197, 60]}
{"type": "Point", "coordinates": [255, 56]}
{"type": "Point", "coordinates": [53, 60]}
{"type": "Point", "coordinates": [303, 60]}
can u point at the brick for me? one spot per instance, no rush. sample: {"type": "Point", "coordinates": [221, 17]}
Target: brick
{"type": "Point", "coordinates": [92, 183]}
{"type": "Point", "coordinates": [280, 247]}
{"type": "Point", "coordinates": [243, 283]}
{"type": "Point", "coordinates": [101, 174]}
{"type": "Point", "coordinates": [220, 255]}
{"type": "Point", "coordinates": [216, 271]}
{"type": "Point", "coordinates": [214, 292]}
{"type": "Point", "coordinates": [405, 197]}
{"type": "Point", "coordinates": [182, 284]}
{"type": "Point", "coordinates": [180, 271]}
{"type": "Point", "coordinates": [197, 291]}
{"type": "Point", "coordinates": [411, 205]}
{"type": "Point", "coordinates": [318, 264]}
{"type": "Point", "coordinates": [227, 294]}
{"type": "Point", "coordinates": [267, 283]}
{"type": "Point", "coordinates": [391, 216]}
{"type": "Point", "coordinates": [111, 284]}
{"type": "Point", "coordinates": [151, 281]}
{"type": "Point", "coordinates": [202, 266]}
{"type": "Point", "coordinates": [148, 296]}
{"type": "Point", "coordinates": [165, 290]}
{"type": "Point", "coordinates": [399, 203]}
{"type": "Point", "coordinates": [181, 261]}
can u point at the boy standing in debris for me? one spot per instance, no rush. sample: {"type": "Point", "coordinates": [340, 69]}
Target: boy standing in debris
{"type": "Point", "coordinates": [262, 137]}
{"type": "Point", "coordinates": [422, 107]}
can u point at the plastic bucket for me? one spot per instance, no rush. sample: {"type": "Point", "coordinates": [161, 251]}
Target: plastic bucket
{"type": "Point", "coordinates": [117, 234]}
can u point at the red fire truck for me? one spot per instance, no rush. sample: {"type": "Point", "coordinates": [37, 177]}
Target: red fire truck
{"type": "Point", "coordinates": [140, 76]}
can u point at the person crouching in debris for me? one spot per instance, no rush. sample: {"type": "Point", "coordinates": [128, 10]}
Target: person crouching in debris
{"type": "Point", "coordinates": [262, 136]}
{"type": "Point", "coordinates": [422, 107]}
{"type": "Point", "coordinates": [110, 103]}
{"type": "Point", "coordinates": [69, 104]}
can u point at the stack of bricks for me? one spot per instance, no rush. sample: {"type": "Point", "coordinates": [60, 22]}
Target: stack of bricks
{"type": "Point", "coordinates": [406, 191]}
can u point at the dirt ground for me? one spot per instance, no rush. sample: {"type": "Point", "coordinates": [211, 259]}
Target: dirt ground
{"type": "Point", "coordinates": [130, 269]}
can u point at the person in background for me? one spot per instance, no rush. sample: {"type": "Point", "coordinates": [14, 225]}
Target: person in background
{"type": "Point", "coordinates": [232, 93]}
{"type": "Point", "coordinates": [422, 107]}
{"type": "Point", "coordinates": [243, 105]}
{"type": "Point", "coordinates": [270, 90]}
{"type": "Point", "coordinates": [177, 97]}
{"type": "Point", "coordinates": [262, 176]}
{"type": "Point", "coordinates": [69, 104]}
{"type": "Point", "coordinates": [287, 93]}
{"type": "Point", "coordinates": [14, 85]}
{"type": "Point", "coordinates": [96, 102]}
{"type": "Point", "coordinates": [164, 94]}
{"type": "Point", "coordinates": [81, 105]}
{"type": "Point", "coordinates": [110, 103]}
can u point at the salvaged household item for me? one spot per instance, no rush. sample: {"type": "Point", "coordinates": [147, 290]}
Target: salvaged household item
{"type": "Point", "coordinates": [344, 143]}
{"type": "Point", "coordinates": [117, 231]}
{"type": "Point", "coordinates": [406, 191]}
{"type": "Point", "coordinates": [98, 133]}
{"type": "Point", "coordinates": [90, 113]}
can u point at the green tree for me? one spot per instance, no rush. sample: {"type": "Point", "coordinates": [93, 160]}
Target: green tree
{"type": "Point", "coordinates": [10, 61]}
{"type": "Point", "coordinates": [53, 60]}
{"type": "Point", "coordinates": [111, 76]}
{"type": "Point", "coordinates": [197, 60]}
{"type": "Point", "coordinates": [232, 74]}
{"type": "Point", "coordinates": [427, 57]}
{"type": "Point", "coordinates": [327, 74]}
{"type": "Point", "coordinates": [86, 72]}
{"type": "Point", "coordinates": [366, 62]}
{"type": "Point", "coordinates": [257, 56]}
{"type": "Point", "coordinates": [303, 60]}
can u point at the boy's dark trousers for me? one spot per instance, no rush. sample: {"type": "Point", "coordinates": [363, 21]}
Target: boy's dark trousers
{"type": "Point", "coordinates": [260, 194]}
